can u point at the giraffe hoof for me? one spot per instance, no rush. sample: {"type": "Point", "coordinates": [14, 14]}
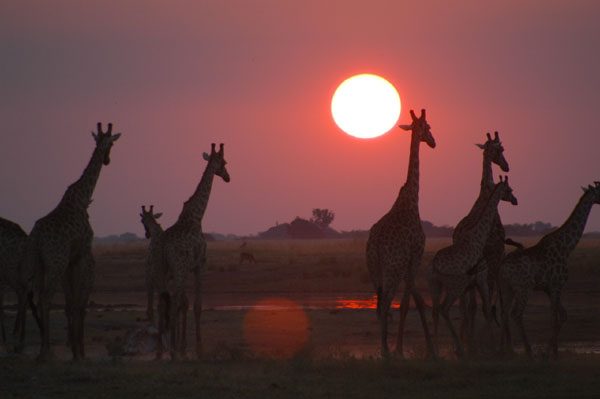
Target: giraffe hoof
{"type": "Point", "coordinates": [431, 355]}
{"type": "Point", "coordinates": [18, 348]}
{"type": "Point", "coordinates": [44, 357]}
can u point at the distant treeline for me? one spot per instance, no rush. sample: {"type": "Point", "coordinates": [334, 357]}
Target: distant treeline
{"type": "Point", "coordinates": [301, 228]}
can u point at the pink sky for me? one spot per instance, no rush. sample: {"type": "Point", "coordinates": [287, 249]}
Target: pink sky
{"type": "Point", "coordinates": [259, 75]}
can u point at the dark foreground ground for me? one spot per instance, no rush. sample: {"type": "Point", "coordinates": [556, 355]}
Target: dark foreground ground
{"type": "Point", "coordinates": [330, 345]}
{"type": "Point", "coordinates": [302, 377]}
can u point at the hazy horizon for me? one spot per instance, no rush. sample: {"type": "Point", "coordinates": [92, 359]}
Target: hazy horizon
{"type": "Point", "coordinates": [174, 77]}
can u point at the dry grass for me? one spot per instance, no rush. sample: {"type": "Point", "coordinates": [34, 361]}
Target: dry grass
{"type": "Point", "coordinates": [299, 265]}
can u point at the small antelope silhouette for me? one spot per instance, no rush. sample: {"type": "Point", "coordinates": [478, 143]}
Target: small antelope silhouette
{"type": "Point", "coordinates": [247, 256]}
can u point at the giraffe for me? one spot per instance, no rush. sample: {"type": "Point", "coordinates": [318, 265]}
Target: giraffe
{"type": "Point", "coordinates": [152, 230]}
{"type": "Point", "coordinates": [493, 152]}
{"type": "Point", "coordinates": [396, 243]}
{"type": "Point", "coordinates": [59, 250]}
{"type": "Point", "coordinates": [543, 267]}
{"type": "Point", "coordinates": [182, 249]}
{"type": "Point", "coordinates": [455, 268]}
{"type": "Point", "coordinates": [12, 247]}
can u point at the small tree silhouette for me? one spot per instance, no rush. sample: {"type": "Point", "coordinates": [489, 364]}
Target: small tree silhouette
{"type": "Point", "coordinates": [322, 217]}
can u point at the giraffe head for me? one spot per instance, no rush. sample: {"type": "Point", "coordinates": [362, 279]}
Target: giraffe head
{"type": "Point", "coordinates": [218, 157]}
{"type": "Point", "coordinates": [494, 151]}
{"type": "Point", "coordinates": [104, 141]}
{"type": "Point", "coordinates": [508, 195]}
{"type": "Point", "coordinates": [421, 128]}
{"type": "Point", "coordinates": [149, 220]}
{"type": "Point", "coordinates": [593, 190]}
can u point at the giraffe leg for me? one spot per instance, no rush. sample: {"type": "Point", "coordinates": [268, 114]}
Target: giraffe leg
{"type": "Point", "coordinates": [464, 317]}
{"type": "Point", "coordinates": [494, 294]}
{"type": "Point", "coordinates": [482, 287]}
{"type": "Point", "coordinates": [68, 293]}
{"type": "Point", "coordinates": [445, 311]}
{"type": "Point", "coordinates": [506, 295]}
{"type": "Point", "coordinates": [174, 325]}
{"type": "Point", "coordinates": [420, 303]}
{"type": "Point", "coordinates": [71, 311]}
{"type": "Point", "coordinates": [17, 325]}
{"type": "Point", "coordinates": [150, 299]}
{"type": "Point", "coordinates": [435, 291]}
{"type": "Point", "coordinates": [164, 304]}
{"type": "Point", "coordinates": [21, 321]}
{"type": "Point", "coordinates": [559, 316]}
{"type": "Point", "coordinates": [3, 331]}
{"type": "Point", "coordinates": [44, 307]}
{"type": "Point", "coordinates": [404, 305]}
{"type": "Point", "coordinates": [472, 311]}
{"type": "Point", "coordinates": [198, 310]}
{"type": "Point", "coordinates": [468, 309]}
{"type": "Point", "coordinates": [517, 315]}
{"type": "Point", "coordinates": [75, 331]}
{"type": "Point", "coordinates": [183, 325]}
{"type": "Point", "coordinates": [85, 278]}
{"type": "Point", "coordinates": [384, 308]}
{"type": "Point", "coordinates": [46, 288]}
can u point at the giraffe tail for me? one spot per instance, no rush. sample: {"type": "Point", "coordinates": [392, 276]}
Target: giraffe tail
{"type": "Point", "coordinates": [514, 243]}
{"type": "Point", "coordinates": [34, 310]}
{"type": "Point", "coordinates": [480, 266]}
{"type": "Point", "coordinates": [164, 306]}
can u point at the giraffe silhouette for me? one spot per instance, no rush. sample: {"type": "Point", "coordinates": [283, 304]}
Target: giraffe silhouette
{"type": "Point", "coordinates": [396, 243]}
{"type": "Point", "coordinates": [59, 250]}
{"type": "Point", "coordinates": [493, 152]}
{"type": "Point", "coordinates": [543, 267]}
{"type": "Point", "coordinates": [152, 230]}
{"type": "Point", "coordinates": [454, 268]}
{"type": "Point", "coordinates": [181, 249]}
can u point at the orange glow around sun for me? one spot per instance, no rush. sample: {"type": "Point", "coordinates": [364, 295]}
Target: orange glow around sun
{"type": "Point", "coordinates": [365, 106]}
{"type": "Point", "coordinates": [276, 327]}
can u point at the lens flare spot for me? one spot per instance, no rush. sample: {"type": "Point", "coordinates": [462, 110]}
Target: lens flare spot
{"type": "Point", "coordinates": [276, 327]}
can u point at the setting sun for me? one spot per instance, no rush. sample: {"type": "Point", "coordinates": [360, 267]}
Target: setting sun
{"type": "Point", "coordinates": [365, 106]}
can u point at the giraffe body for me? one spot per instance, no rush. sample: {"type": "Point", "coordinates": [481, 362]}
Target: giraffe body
{"type": "Point", "coordinates": [153, 230]}
{"type": "Point", "coordinates": [455, 268]}
{"type": "Point", "coordinates": [59, 251]}
{"type": "Point", "coordinates": [396, 243]}
{"type": "Point", "coordinates": [180, 250]}
{"type": "Point", "coordinates": [12, 247]}
{"type": "Point", "coordinates": [543, 267]}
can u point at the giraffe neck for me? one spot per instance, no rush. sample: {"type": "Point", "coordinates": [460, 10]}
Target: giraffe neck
{"type": "Point", "coordinates": [195, 206]}
{"type": "Point", "coordinates": [79, 194]}
{"type": "Point", "coordinates": [487, 187]}
{"type": "Point", "coordinates": [408, 197]}
{"type": "Point", "coordinates": [154, 228]}
{"type": "Point", "coordinates": [566, 237]}
{"type": "Point", "coordinates": [487, 177]}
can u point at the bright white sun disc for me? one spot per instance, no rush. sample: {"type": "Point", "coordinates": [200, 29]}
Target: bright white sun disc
{"type": "Point", "coordinates": [365, 106]}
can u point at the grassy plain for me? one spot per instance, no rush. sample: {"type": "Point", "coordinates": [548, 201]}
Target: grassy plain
{"type": "Point", "coordinates": [329, 280]}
